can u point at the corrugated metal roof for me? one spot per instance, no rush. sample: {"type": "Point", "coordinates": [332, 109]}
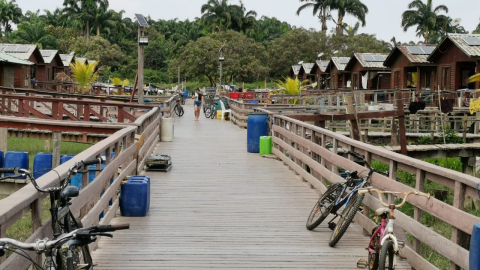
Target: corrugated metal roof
{"type": "Point", "coordinates": [307, 67]}
{"type": "Point", "coordinates": [322, 65]}
{"type": "Point", "coordinates": [340, 62]}
{"type": "Point", "coordinates": [367, 64]}
{"type": "Point", "coordinates": [22, 51]}
{"type": "Point", "coordinates": [81, 59]}
{"type": "Point", "coordinates": [48, 55]}
{"type": "Point", "coordinates": [67, 58]}
{"type": "Point", "coordinates": [296, 69]}
{"type": "Point", "coordinates": [4, 57]}
{"type": "Point", "coordinates": [415, 58]}
{"type": "Point", "coordinates": [470, 50]}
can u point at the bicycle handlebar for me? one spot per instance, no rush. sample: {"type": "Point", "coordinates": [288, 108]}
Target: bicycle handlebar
{"type": "Point", "coordinates": [404, 200]}
{"type": "Point", "coordinates": [99, 160]}
{"type": "Point", "coordinates": [7, 170]}
{"type": "Point", "coordinates": [359, 157]}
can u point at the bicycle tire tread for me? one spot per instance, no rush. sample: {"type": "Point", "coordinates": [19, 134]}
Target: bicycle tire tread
{"type": "Point", "coordinates": [346, 223]}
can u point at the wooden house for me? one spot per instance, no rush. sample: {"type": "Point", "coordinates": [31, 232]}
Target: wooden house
{"type": "Point", "coordinates": [321, 77]}
{"type": "Point", "coordinates": [411, 69]}
{"type": "Point", "coordinates": [305, 72]}
{"type": "Point", "coordinates": [52, 65]}
{"type": "Point", "coordinates": [67, 59]}
{"type": "Point", "coordinates": [457, 58]}
{"type": "Point", "coordinates": [294, 71]}
{"type": "Point", "coordinates": [24, 74]}
{"type": "Point", "coordinates": [8, 65]}
{"type": "Point", "coordinates": [368, 72]}
{"type": "Point", "coordinates": [339, 77]}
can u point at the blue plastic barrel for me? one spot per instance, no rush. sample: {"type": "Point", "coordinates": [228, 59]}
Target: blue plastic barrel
{"type": "Point", "coordinates": [134, 198]}
{"type": "Point", "coordinates": [16, 159]}
{"type": "Point", "coordinates": [42, 164]}
{"type": "Point", "coordinates": [146, 178]}
{"type": "Point", "coordinates": [92, 170]}
{"type": "Point", "coordinates": [185, 94]}
{"type": "Point", "coordinates": [253, 102]}
{"type": "Point", "coordinates": [1, 159]}
{"type": "Point", "coordinates": [257, 126]}
{"type": "Point", "coordinates": [475, 248]}
{"type": "Point", "coordinates": [65, 158]}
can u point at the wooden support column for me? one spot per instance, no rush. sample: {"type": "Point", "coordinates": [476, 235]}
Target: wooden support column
{"type": "Point", "coordinates": [36, 207]}
{"type": "Point", "coordinates": [401, 125]}
{"type": "Point", "coordinates": [458, 202]}
{"type": "Point", "coordinates": [3, 140]}
{"type": "Point", "coordinates": [86, 113]}
{"type": "Point", "coordinates": [57, 145]}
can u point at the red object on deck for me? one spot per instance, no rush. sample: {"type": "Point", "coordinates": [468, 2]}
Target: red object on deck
{"type": "Point", "coordinates": [249, 95]}
{"type": "Point", "coordinates": [241, 95]}
{"type": "Point", "coordinates": [234, 95]}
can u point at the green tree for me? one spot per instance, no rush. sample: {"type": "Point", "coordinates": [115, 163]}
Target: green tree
{"type": "Point", "coordinates": [55, 18]}
{"type": "Point", "coordinates": [349, 30]}
{"type": "Point", "coordinates": [99, 49]}
{"type": "Point", "coordinates": [84, 75]}
{"type": "Point", "coordinates": [268, 29]}
{"type": "Point", "coordinates": [353, 8]}
{"type": "Point", "coordinates": [477, 30]}
{"type": "Point", "coordinates": [103, 18]}
{"type": "Point", "coordinates": [424, 17]}
{"type": "Point", "coordinates": [320, 8]}
{"type": "Point", "coordinates": [34, 33]}
{"type": "Point", "coordinates": [9, 13]}
{"type": "Point", "coordinates": [219, 15]}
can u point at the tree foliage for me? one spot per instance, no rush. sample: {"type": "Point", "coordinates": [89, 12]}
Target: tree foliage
{"type": "Point", "coordinates": [84, 75]}
{"type": "Point", "coordinates": [425, 17]}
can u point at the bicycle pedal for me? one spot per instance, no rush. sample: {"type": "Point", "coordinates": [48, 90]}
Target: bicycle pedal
{"type": "Point", "coordinates": [332, 225]}
{"type": "Point", "coordinates": [362, 264]}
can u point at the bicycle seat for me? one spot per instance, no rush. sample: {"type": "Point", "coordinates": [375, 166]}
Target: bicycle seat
{"type": "Point", "coordinates": [69, 192]}
{"type": "Point", "coordinates": [382, 211]}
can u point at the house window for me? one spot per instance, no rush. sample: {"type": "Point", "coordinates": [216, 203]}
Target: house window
{"type": "Point", "coordinates": [446, 78]}
{"type": "Point", "coordinates": [412, 79]}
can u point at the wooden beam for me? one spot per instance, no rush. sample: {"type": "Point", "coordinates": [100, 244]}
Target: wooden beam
{"type": "Point", "coordinates": [340, 117]}
{"type": "Point", "coordinates": [57, 144]}
{"type": "Point", "coordinates": [3, 140]}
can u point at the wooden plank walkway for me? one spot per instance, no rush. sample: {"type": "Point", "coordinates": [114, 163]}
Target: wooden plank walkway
{"type": "Point", "coordinates": [223, 208]}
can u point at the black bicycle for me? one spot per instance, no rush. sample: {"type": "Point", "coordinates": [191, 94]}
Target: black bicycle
{"type": "Point", "coordinates": [63, 220]}
{"type": "Point", "coordinates": [66, 244]}
{"type": "Point", "coordinates": [336, 196]}
{"type": "Point", "coordinates": [178, 106]}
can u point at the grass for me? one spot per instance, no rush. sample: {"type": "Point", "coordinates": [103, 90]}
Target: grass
{"type": "Point", "coordinates": [428, 220]}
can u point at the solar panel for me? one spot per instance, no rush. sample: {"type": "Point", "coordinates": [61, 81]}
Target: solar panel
{"type": "Point", "coordinates": [379, 58]}
{"type": "Point", "coordinates": [46, 54]}
{"type": "Point", "coordinates": [63, 57]}
{"type": "Point", "coordinates": [325, 63]}
{"type": "Point", "coordinates": [428, 49]}
{"type": "Point", "coordinates": [344, 61]}
{"type": "Point", "coordinates": [368, 58]}
{"type": "Point", "coordinates": [415, 50]}
{"type": "Point", "coordinates": [22, 49]}
{"type": "Point", "coordinates": [10, 49]}
{"type": "Point", "coordinates": [472, 41]}
{"type": "Point", "coordinates": [141, 20]}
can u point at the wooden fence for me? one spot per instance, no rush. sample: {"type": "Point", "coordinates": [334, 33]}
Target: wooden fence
{"type": "Point", "coordinates": [131, 145]}
{"type": "Point", "coordinates": [303, 147]}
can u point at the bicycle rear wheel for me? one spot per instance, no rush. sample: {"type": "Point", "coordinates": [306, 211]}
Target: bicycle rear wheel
{"type": "Point", "coordinates": [81, 255]}
{"type": "Point", "coordinates": [323, 206]}
{"type": "Point", "coordinates": [214, 112]}
{"type": "Point", "coordinates": [346, 218]}
{"type": "Point", "coordinates": [372, 260]}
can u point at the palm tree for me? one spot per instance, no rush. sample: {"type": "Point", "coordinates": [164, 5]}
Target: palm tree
{"type": "Point", "coordinates": [477, 31]}
{"type": "Point", "coordinates": [55, 18]}
{"type": "Point", "coordinates": [244, 19]}
{"type": "Point", "coordinates": [84, 75]}
{"type": "Point", "coordinates": [9, 13]}
{"type": "Point", "coordinates": [354, 8]}
{"type": "Point", "coordinates": [83, 10]}
{"type": "Point", "coordinates": [319, 6]}
{"type": "Point", "coordinates": [34, 33]}
{"type": "Point", "coordinates": [424, 16]}
{"type": "Point", "coordinates": [351, 31]}
{"type": "Point", "coordinates": [219, 15]}
{"type": "Point", "coordinates": [103, 17]}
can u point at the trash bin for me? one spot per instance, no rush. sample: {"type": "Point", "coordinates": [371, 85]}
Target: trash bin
{"type": "Point", "coordinates": [266, 145]}
{"type": "Point", "coordinates": [257, 126]}
{"type": "Point", "coordinates": [166, 130]}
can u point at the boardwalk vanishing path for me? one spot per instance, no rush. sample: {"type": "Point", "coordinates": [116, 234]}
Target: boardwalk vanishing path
{"type": "Point", "coordinates": [223, 208]}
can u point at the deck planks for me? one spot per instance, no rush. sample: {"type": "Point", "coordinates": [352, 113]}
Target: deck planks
{"type": "Point", "coordinates": [223, 208]}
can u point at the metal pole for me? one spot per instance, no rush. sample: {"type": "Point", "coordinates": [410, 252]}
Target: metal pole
{"type": "Point", "coordinates": [140, 67]}
{"type": "Point", "coordinates": [221, 64]}
{"type": "Point", "coordinates": [179, 76]}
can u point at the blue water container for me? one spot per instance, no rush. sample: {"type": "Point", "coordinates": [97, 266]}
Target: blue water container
{"type": "Point", "coordinates": [92, 170]}
{"type": "Point", "coordinates": [475, 248]}
{"type": "Point", "coordinates": [185, 94]}
{"type": "Point", "coordinates": [1, 159]}
{"type": "Point", "coordinates": [65, 158]}
{"type": "Point", "coordinates": [257, 127]}
{"type": "Point", "coordinates": [16, 159]}
{"type": "Point", "coordinates": [253, 102]}
{"type": "Point", "coordinates": [146, 178]}
{"type": "Point", "coordinates": [76, 180]}
{"type": "Point", "coordinates": [134, 198]}
{"type": "Point", "coordinates": [42, 164]}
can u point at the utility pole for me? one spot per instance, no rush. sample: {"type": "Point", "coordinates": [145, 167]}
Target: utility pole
{"type": "Point", "coordinates": [221, 59]}
{"type": "Point", "coordinates": [179, 76]}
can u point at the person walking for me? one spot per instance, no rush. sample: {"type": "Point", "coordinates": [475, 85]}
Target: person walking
{"type": "Point", "coordinates": [198, 103]}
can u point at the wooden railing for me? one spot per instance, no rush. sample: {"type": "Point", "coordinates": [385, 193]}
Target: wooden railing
{"type": "Point", "coordinates": [303, 147]}
{"type": "Point", "coordinates": [131, 145]}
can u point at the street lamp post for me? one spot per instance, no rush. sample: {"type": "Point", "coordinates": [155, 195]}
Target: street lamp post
{"type": "Point", "coordinates": [142, 42]}
{"type": "Point", "coordinates": [221, 59]}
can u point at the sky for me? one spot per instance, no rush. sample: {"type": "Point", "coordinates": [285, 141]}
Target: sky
{"type": "Point", "coordinates": [383, 19]}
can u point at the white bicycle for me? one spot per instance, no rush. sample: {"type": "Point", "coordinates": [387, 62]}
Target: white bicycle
{"type": "Point", "coordinates": [384, 245]}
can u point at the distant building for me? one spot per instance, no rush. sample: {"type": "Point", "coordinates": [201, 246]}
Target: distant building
{"type": "Point", "coordinates": [339, 77]}
{"type": "Point", "coordinates": [67, 59]}
{"type": "Point", "coordinates": [24, 74]}
{"type": "Point", "coordinates": [8, 65]}
{"type": "Point", "coordinates": [52, 65]}
{"type": "Point", "coordinates": [294, 71]}
{"type": "Point", "coordinates": [368, 72]}
{"type": "Point", "coordinates": [321, 77]}
{"type": "Point", "coordinates": [304, 73]}
{"type": "Point", "coordinates": [410, 67]}
{"type": "Point", "coordinates": [457, 58]}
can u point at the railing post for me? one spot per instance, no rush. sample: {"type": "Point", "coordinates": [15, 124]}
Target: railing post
{"type": "Point", "coordinates": [36, 207]}
{"type": "Point", "coordinates": [458, 202]}
{"type": "Point", "coordinates": [417, 212]}
{"type": "Point", "coordinates": [120, 115]}
{"type": "Point", "coordinates": [86, 113]}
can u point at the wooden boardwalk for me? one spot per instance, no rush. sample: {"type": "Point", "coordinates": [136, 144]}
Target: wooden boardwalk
{"type": "Point", "coordinates": [223, 208]}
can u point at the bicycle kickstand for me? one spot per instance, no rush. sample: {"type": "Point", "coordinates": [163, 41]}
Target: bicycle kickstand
{"type": "Point", "coordinates": [331, 224]}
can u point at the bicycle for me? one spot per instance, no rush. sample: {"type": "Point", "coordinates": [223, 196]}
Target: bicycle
{"type": "Point", "coordinates": [178, 106]}
{"type": "Point", "coordinates": [336, 196]}
{"type": "Point", "coordinates": [63, 220]}
{"type": "Point", "coordinates": [64, 244]}
{"type": "Point", "coordinates": [209, 108]}
{"type": "Point", "coordinates": [383, 245]}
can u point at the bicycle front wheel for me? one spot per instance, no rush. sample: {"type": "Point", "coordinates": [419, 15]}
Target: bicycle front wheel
{"type": "Point", "coordinates": [346, 218]}
{"type": "Point", "coordinates": [81, 255]}
{"type": "Point", "coordinates": [324, 205]}
{"type": "Point", "coordinates": [385, 261]}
